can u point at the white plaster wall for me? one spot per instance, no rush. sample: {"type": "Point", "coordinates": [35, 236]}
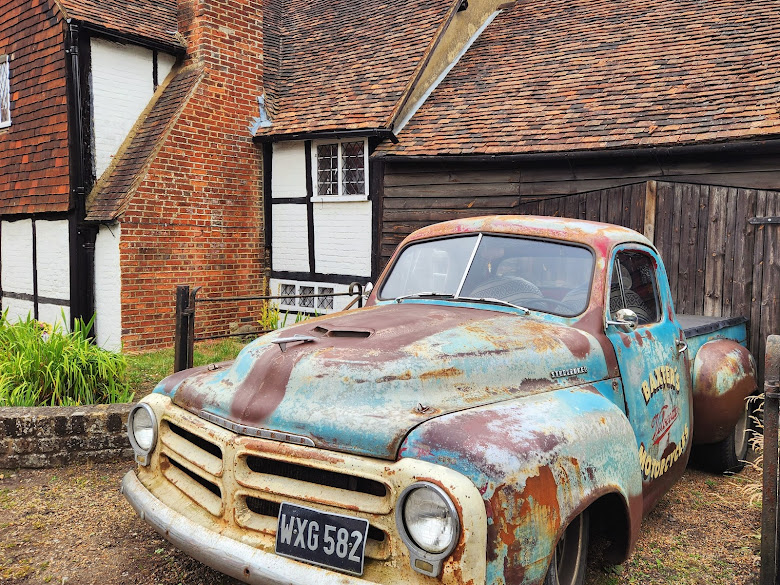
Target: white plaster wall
{"type": "Point", "coordinates": [53, 259]}
{"type": "Point", "coordinates": [290, 238]}
{"type": "Point", "coordinates": [108, 288]}
{"type": "Point", "coordinates": [17, 256]}
{"type": "Point", "coordinates": [342, 238]}
{"type": "Point", "coordinates": [122, 86]}
{"type": "Point", "coordinates": [17, 309]}
{"type": "Point", "coordinates": [288, 177]}
{"type": "Point", "coordinates": [53, 314]}
{"type": "Point", "coordinates": [165, 64]}
{"type": "Point", "coordinates": [16, 249]}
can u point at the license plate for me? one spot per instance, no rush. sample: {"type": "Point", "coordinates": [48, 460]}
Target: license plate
{"type": "Point", "coordinates": [333, 541]}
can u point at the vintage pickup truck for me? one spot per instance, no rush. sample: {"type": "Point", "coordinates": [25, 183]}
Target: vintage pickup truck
{"type": "Point", "coordinates": [514, 384]}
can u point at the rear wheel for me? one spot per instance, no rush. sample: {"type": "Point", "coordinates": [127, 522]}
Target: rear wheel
{"type": "Point", "coordinates": [570, 557]}
{"type": "Point", "coordinates": [728, 455]}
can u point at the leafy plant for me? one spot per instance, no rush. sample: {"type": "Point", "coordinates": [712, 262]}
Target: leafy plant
{"type": "Point", "coordinates": [269, 317]}
{"type": "Point", "coordinates": [45, 365]}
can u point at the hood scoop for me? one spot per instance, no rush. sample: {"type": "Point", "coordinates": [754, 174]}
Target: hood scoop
{"type": "Point", "coordinates": [328, 331]}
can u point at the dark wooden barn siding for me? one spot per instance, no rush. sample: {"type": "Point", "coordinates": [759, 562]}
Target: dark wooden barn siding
{"type": "Point", "coordinates": [718, 262]}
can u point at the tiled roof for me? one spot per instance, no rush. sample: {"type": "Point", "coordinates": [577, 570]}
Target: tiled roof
{"type": "Point", "coordinates": [34, 155]}
{"type": "Point", "coordinates": [150, 19]}
{"type": "Point", "coordinates": [112, 192]}
{"type": "Point", "coordinates": [596, 74]}
{"type": "Point", "coordinates": [343, 64]}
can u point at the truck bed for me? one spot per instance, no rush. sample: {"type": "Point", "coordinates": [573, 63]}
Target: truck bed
{"type": "Point", "coordinates": [700, 329]}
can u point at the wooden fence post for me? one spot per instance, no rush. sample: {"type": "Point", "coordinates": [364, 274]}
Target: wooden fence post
{"type": "Point", "coordinates": [769, 524]}
{"type": "Point", "coordinates": [650, 198]}
{"type": "Point", "coordinates": [184, 330]}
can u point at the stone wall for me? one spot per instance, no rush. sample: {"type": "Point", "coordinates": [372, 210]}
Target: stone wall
{"type": "Point", "coordinates": [52, 436]}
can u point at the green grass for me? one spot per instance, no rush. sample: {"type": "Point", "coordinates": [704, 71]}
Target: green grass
{"type": "Point", "coordinates": [147, 369]}
{"type": "Point", "coordinates": [44, 365]}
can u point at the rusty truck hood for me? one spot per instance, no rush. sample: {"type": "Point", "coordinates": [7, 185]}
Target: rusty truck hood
{"type": "Point", "coordinates": [372, 375]}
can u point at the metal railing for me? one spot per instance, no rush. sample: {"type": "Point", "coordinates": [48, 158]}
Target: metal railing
{"type": "Point", "coordinates": [187, 301]}
{"type": "Point", "coordinates": [770, 536]}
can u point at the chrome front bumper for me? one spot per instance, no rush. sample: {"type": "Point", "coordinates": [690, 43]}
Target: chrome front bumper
{"type": "Point", "coordinates": [224, 554]}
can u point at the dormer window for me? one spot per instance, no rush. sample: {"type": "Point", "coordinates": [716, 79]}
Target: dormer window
{"type": "Point", "coordinates": [5, 91]}
{"type": "Point", "coordinates": [341, 169]}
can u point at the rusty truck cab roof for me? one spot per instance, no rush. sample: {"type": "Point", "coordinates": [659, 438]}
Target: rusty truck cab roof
{"type": "Point", "coordinates": [599, 236]}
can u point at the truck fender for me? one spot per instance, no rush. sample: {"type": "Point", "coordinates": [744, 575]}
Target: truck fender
{"type": "Point", "coordinates": [723, 376]}
{"type": "Point", "coordinates": [538, 462]}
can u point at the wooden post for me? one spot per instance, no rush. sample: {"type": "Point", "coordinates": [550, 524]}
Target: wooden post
{"type": "Point", "coordinates": [181, 359]}
{"type": "Point", "coordinates": [770, 570]}
{"type": "Point", "coordinates": [650, 197]}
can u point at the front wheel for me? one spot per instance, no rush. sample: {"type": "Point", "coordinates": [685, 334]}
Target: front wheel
{"type": "Point", "coordinates": [570, 556]}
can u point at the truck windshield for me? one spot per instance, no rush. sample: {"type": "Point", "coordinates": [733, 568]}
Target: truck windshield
{"type": "Point", "coordinates": [540, 275]}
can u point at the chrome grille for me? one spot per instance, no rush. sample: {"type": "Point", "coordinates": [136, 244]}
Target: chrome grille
{"type": "Point", "coordinates": [317, 476]}
{"type": "Point", "coordinates": [245, 483]}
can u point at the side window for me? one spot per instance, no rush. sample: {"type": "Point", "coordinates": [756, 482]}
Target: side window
{"type": "Point", "coordinates": [634, 287]}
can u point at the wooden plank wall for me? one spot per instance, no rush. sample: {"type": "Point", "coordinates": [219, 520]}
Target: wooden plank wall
{"type": "Point", "coordinates": [718, 263]}
{"type": "Point", "coordinates": [414, 200]}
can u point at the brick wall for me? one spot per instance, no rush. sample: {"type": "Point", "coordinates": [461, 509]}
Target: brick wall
{"type": "Point", "coordinates": [52, 436]}
{"type": "Point", "coordinates": [34, 174]}
{"type": "Point", "coordinates": [197, 216]}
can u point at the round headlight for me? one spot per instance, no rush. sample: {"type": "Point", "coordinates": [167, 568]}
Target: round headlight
{"type": "Point", "coordinates": [142, 428]}
{"type": "Point", "coordinates": [430, 518]}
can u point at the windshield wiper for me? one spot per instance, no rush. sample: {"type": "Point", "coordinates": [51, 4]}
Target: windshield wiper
{"type": "Point", "coordinates": [422, 295]}
{"type": "Point", "coordinates": [451, 297]}
{"type": "Point", "coordinates": [495, 301]}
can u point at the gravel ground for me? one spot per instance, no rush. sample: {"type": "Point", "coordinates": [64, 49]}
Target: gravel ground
{"type": "Point", "coordinates": [71, 525]}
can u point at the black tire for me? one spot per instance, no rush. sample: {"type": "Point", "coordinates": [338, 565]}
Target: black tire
{"type": "Point", "coordinates": [570, 556]}
{"type": "Point", "coordinates": [728, 455]}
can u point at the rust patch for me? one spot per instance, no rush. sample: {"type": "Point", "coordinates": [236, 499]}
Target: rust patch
{"type": "Point", "coordinates": [263, 388]}
{"type": "Point", "coordinates": [576, 342]}
{"type": "Point", "coordinates": [591, 322]}
{"type": "Point", "coordinates": [442, 373]}
{"type": "Point", "coordinates": [725, 376]}
{"type": "Point", "coordinates": [407, 375]}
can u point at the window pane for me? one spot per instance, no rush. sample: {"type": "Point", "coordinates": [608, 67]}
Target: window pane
{"type": "Point", "coordinates": [5, 91]}
{"type": "Point", "coordinates": [288, 289]}
{"type": "Point", "coordinates": [353, 170]}
{"type": "Point", "coordinates": [327, 169]}
{"type": "Point", "coordinates": [325, 302]}
{"type": "Point", "coordinates": [633, 287]}
{"type": "Point", "coordinates": [541, 275]}
{"type": "Point", "coordinates": [436, 266]}
{"type": "Point", "coordinates": [307, 301]}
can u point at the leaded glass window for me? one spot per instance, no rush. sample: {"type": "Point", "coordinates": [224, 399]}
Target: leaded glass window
{"type": "Point", "coordinates": [325, 302]}
{"type": "Point", "coordinates": [5, 91]}
{"type": "Point", "coordinates": [353, 172]}
{"type": "Point", "coordinates": [307, 301]}
{"type": "Point", "coordinates": [328, 169]}
{"type": "Point", "coordinates": [288, 289]}
{"type": "Point", "coordinates": [341, 168]}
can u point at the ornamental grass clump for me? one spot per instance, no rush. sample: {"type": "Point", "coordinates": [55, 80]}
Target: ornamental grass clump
{"type": "Point", "coordinates": [45, 365]}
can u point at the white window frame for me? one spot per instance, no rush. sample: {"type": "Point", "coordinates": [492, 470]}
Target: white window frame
{"type": "Point", "coordinates": [5, 80]}
{"type": "Point", "coordinates": [316, 197]}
